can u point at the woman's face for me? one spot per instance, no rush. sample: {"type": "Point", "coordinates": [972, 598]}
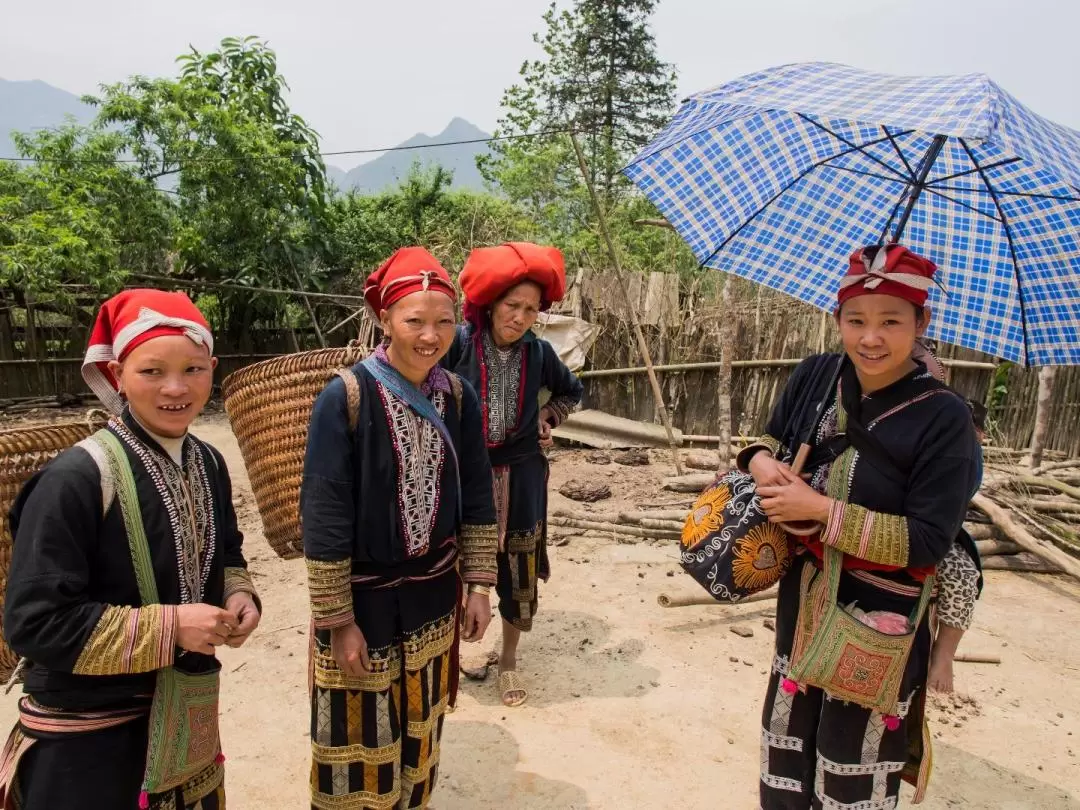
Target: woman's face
{"type": "Point", "coordinates": [879, 332]}
{"type": "Point", "coordinates": [421, 328]}
{"type": "Point", "coordinates": [167, 382]}
{"type": "Point", "coordinates": [515, 313]}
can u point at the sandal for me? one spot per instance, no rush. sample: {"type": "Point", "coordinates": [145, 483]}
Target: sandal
{"type": "Point", "coordinates": [509, 683]}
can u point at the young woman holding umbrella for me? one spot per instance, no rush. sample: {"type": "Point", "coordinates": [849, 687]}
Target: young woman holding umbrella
{"type": "Point", "coordinates": [893, 465]}
{"type": "Point", "coordinates": [398, 517]}
{"type": "Point", "coordinates": [505, 288]}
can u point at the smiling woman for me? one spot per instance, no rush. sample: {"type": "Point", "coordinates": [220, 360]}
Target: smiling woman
{"type": "Point", "coordinates": [126, 574]}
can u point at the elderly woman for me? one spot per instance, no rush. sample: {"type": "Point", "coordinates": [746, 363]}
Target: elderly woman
{"type": "Point", "coordinates": [397, 513]}
{"type": "Point", "coordinates": [126, 575]}
{"type": "Point", "coordinates": [893, 465]}
{"type": "Point", "coordinates": [505, 288]}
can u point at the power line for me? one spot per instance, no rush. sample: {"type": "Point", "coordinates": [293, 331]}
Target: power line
{"type": "Point", "coordinates": [399, 148]}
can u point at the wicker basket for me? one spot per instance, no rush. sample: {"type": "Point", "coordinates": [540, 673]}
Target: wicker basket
{"type": "Point", "coordinates": [269, 406]}
{"type": "Point", "coordinates": [22, 453]}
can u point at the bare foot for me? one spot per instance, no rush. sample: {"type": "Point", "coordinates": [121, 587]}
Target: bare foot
{"type": "Point", "coordinates": [940, 677]}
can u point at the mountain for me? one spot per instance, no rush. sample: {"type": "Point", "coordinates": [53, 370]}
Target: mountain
{"type": "Point", "coordinates": [390, 168]}
{"type": "Point", "coordinates": [26, 106]}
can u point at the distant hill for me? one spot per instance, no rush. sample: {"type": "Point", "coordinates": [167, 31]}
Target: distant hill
{"type": "Point", "coordinates": [390, 168]}
{"type": "Point", "coordinates": [30, 105]}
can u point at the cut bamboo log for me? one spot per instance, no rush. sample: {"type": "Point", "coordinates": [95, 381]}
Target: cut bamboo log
{"type": "Point", "coordinates": [1022, 537]}
{"type": "Point", "coordinates": [1060, 506]}
{"type": "Point", "coordinates": [995, 548]}
{"type": "Point", "coordinates": [1035, 481]}
{"type": "Point", "coordinates": [1069, 464]}
{"type": "Point", "coordinates": [702, 461]}
{"type": "Point", "coordinates": [979, 531]}
{"type": "Point", "coordinates": [662, 525]}
{"type": "Point", "coordinates": [1028, 563]}
{"type": "Point", "coordinates": [970, 658]}
{"type": "Point", "coordinates": [658, 514]}
{"type": "Point", "coordinates": [689, 601]}
{"type": "Point", "coordinates": [693, 482]}
{"type": "Point", "coordinates": [614, 528]}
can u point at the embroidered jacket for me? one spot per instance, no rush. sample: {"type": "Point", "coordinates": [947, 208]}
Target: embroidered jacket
{"type": "Point", "coordinates": [381, 503]}
{"type": "Point", "coordinates": [881, 524]}
{"type": "Point", "coordinates": [72, 606]}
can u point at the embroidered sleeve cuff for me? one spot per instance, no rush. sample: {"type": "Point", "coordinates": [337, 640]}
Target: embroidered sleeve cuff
{"type": "Point", "coordinates": [766, 442]}
{"type": "Point", "coordinates": [872, 536]}
{"type": "Point", "coordinates": [330, 591]}
{"type": "Point", "coordinates": [560, 408]}
{"type": "Point", "coordinates": [478, 547]}
{"type": "Point", "coordinates": [130, 640]}
{"type": "Point", "coordinates": [238, 580]}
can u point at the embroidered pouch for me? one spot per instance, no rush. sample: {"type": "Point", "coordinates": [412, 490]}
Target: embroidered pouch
{"type": "Point", "coordinates": [836, 652]}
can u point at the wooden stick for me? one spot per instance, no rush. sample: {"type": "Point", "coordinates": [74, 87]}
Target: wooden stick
{"type": "Point", "coordinates": [1042, 414]}
{"type": "Point", "coordinates": [614, 528]}
{"type": "Point", "coordinates": [1046, 483]}
{"type": "Point", "coordinates": [1022, 537]}
{"type": "Point", "coordinates": [713, 365]}
{"type": "Point", "coordinates": [663, 525]}
{"type": "Point", "coordinates": [968, 658]}
{"type": "Point", "coordinates": [310, 308]}
{"type": "Point", "coordinates": [694, 482]}
{"type": "Point", "coordinates": [1072, 463]}
{"type": "Point", "coordinates": [1028, 563]}
{"type": "Point", "coordinates": [631, 309]}
{"type": "Point", "coordinates": [995, 548]}
{"type": "Point", "coordinates": [660, 514]}
{"type": "Point", "coordinates": [980, 532]}
{"type": "Point", "coordinates": [689, 601]}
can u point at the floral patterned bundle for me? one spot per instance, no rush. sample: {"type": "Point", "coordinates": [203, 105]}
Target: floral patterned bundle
{"type": "Point", "coordinates": [728, 544]}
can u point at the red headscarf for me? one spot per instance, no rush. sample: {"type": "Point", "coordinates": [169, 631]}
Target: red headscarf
{"type": "Point", "coordinates": [130, 319]}
{"type": "Point", "coordinates": [887, 270]}
{"type": "Point", "coordinates": [489, 272]}
{"type": "Point", "coordinates": [408, 270]}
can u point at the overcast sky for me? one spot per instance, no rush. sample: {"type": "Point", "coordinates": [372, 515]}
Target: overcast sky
{"type": "Point", "coordinates": [370, 74]}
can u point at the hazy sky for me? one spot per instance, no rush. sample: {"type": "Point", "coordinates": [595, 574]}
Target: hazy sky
{"type": "Point", "coordinates": [370, 74]}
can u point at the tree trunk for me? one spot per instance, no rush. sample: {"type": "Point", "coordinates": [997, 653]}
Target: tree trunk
{"type": "Point", "coordinates": [1042, 414]}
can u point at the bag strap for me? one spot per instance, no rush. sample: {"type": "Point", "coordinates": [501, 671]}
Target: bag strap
{"type": "Point", "coordinates": [352, 396]}
{"type": "Point", "coordinates": [126, 493]}
{"type": "Point", "coordinates": [834, 564]}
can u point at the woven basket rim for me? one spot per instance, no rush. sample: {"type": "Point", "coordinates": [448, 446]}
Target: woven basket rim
{"type": "Point", "coordinates": [239, 377]}
{"type": "Point", "coordinates": [93, 423]}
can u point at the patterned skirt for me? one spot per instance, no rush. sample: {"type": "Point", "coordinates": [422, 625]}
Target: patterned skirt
{"type": "Point", "coordinates": [375, 738]}
{"type": "Point", "coordinates": [521, 507]}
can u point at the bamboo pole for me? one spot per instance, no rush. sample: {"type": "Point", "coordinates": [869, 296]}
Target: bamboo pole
{"type": "Point", "coordinates": [614, 528]}
{"type": "Point", "coordinates": [666, 601]}
{"type": "Point", "coordinates": [723, 389]}
{"type": "Point", "coordinates": [1042, 414]}
{"type": "Point", "coordinates": [969, 658]}
{"type": "Point", "coordinates": [631, 310]}
{"type": "Point", "coordinates": [310, 308]}
{"type": "Point", "coordinates": [713, 365]}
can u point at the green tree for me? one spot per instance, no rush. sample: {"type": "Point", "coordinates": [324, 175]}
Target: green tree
{"type": "Point", "coordinates": [245, 172]}
{"type": "Point", "coordinates": [600, 74]}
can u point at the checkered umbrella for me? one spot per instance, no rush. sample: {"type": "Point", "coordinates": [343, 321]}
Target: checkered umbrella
{"type": "Point", "coordinates": [780, 175]}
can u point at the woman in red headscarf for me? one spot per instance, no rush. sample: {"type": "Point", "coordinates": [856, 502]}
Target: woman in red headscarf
{"type": "Point", "coordinates": [893, 463]}
{"type": "Point", "coordinates": [126, 574]}
{"type": "Point", "coordinates": [397, 513]}
{"type": "Point", "coordinates": [505, 288]}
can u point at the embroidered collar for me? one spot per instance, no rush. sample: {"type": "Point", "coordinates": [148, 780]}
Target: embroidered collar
{"type": "Point", "coordinates": [153, 441]}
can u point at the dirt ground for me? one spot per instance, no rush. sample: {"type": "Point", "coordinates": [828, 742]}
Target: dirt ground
{"type": "Point", "coordinates": [637, 706]}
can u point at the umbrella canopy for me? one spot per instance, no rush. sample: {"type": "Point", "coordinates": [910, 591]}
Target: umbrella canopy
{"type": "Point", "coordinates": [778, 176]}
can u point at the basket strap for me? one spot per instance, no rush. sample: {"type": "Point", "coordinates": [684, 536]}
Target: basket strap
{"type": "Point", "coordinates": [455, 387]}
{"type": "Point", "coordinates": [352, 396]}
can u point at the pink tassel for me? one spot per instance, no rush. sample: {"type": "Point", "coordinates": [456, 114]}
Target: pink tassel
{"type": "Point", "coordinates": [144, 801]}
{"type": "Point", "coordinates": [220, 758]}
{"type": "Point", "coordinates": [789, 686]}
{"type": "Point", "coordinates": [892, 722]}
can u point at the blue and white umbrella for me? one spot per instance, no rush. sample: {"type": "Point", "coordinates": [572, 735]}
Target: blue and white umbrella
{"type": "Point", "coordinates": [778, 176]}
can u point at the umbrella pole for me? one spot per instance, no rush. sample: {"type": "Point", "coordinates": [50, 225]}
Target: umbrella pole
{"type": "Point", "coordinates": [920, 183]}
{"type": "Point", "coordinates": [643, 347]}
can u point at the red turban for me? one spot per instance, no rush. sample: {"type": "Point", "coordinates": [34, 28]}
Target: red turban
{"type": "Point", "coordinates": [489, 272]}
{"type": "Point", "coordinates": [409, 270]}
{"type": "Point", "coordinates": [130, 319]}
{"type": "Point", "coordinates": [888, 270]}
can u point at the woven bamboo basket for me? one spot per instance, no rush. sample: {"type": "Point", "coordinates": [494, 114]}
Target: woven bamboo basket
{"type": "Point", "coordinates": [269, 405]}
{"type": "Point", "coordinates": [23, 452]}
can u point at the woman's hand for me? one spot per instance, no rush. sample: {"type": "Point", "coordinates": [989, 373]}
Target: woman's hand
{"type": "Point", "coordinates": [201, 627]}
{"type": "Point", "coordinates": [242, 606]}
{"type": "Point", "coordinates": [477, 617]}
{"type": "Point", "coordinates": [794, 500]}
{"type": "Point", "coordinates": [349, 648]}
{"type": "Point", "coordinates": [545, 427]}
{"type": "Point", "coordinates": [767, 471]}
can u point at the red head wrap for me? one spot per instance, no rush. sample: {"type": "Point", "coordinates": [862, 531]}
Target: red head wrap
{"type": "Point", "coordinates": [489, 272]}
{"type": "Point", "coordinates": [408, 270]}
{"type": "Point", "coordinates": [130, 319]}
{"type": "Point", "coordinates": [888, 270]}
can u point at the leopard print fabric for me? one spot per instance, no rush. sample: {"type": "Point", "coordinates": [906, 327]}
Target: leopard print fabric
{"type": "Point", "coordinates": [958, 588]}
